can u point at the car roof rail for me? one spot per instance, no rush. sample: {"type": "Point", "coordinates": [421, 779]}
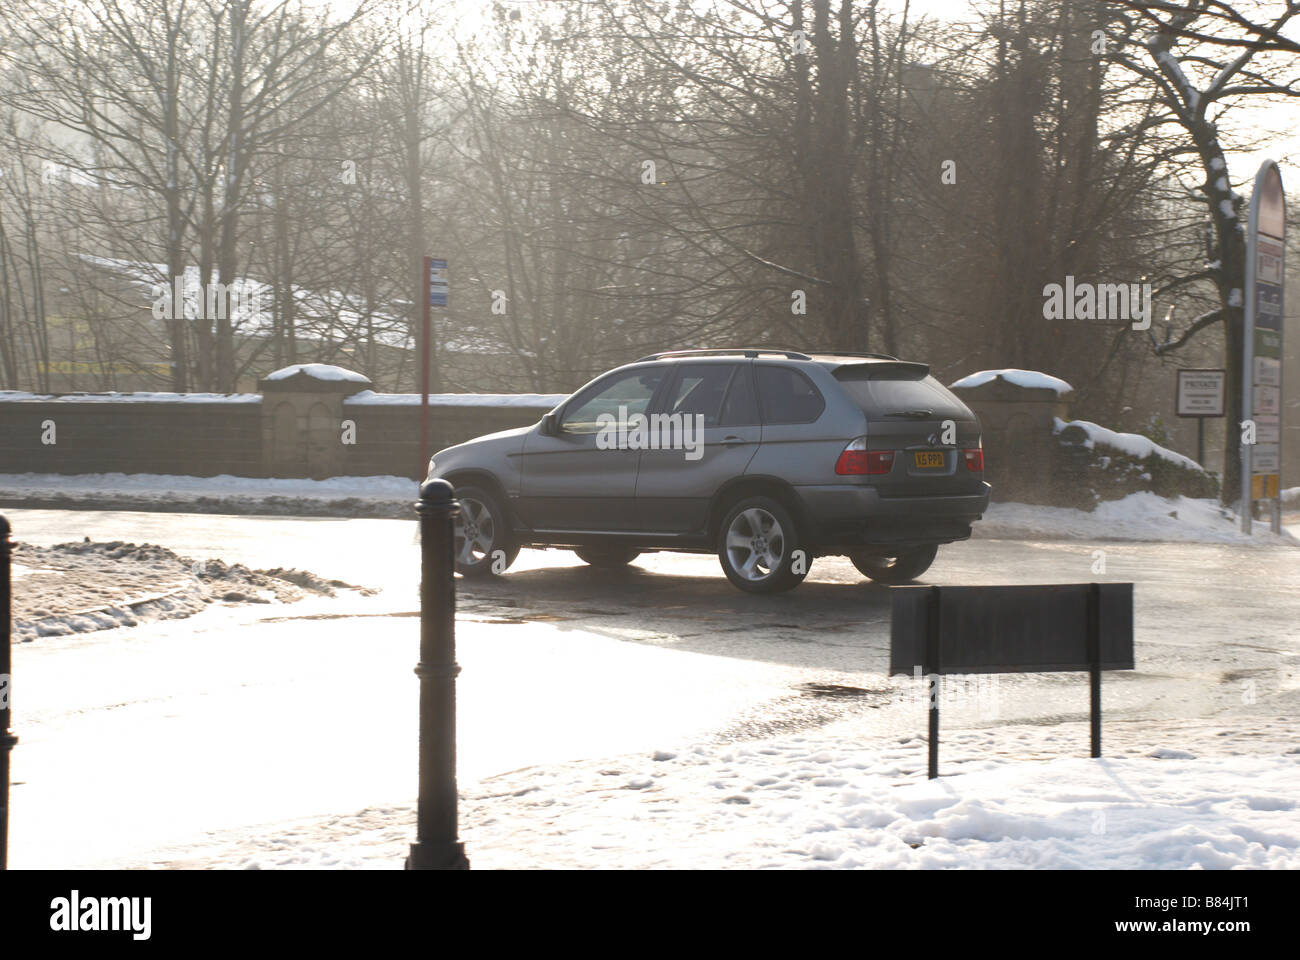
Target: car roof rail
{"type": "Point", "coordinates": [842, 353]}
{"type": "Point", "coordinates": [750, 352]}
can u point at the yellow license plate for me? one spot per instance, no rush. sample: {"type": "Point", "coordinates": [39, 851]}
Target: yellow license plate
{"type": "Point", "coordinates": [929, 459]}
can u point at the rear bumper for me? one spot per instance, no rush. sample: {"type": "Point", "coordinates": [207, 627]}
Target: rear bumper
{"type": "Point", "coordinates": [853, 515]}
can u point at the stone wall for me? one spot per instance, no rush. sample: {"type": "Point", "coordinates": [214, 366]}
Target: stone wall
{"type": "Point", "coordinates": [307, 421]}
{"type": "Point", "coordinates": [190, 434]}
{"type": "Point", "coordinates": [318, 421]}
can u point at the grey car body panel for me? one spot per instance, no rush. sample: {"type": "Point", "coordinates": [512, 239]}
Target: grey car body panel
{"type": "Point", "coordinates": [565, 491]}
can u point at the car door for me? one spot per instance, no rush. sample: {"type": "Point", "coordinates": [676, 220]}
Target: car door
{"type": "Point", "coordinates": [711, 405]}
{"type": "Point", "coordinates": [575, 479]}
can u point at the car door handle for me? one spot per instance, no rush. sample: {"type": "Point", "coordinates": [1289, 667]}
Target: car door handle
{"type": "Point", "coordinates": [732, 441]}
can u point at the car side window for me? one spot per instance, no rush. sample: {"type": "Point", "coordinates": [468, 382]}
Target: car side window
{"type": "Point", "coordinates": [700, 391]}
{"type": "Point", "coordinates": [787, 396]}
{"type": "Point", "coordinates": [740, 409]}
{"type": "Point", "coordinates": [629, 393]}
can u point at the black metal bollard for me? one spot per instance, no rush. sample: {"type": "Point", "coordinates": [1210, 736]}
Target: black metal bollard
{"type": "Point", "coordinates": [437, 845]}
{"type": "Point", "coordinates": [7, 739]}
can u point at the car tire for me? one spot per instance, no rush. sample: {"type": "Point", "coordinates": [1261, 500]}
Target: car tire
{"type": "Point", "coordinates": [759, 547]}
{"type": "Point", "coordinates": [607, 556]}
{"type": "Point", "coordinates": [904, 567]}
{"type": "Point", "coordinates": [490, 549]}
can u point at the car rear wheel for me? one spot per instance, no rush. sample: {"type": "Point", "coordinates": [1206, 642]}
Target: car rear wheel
{"type": "Point", "coordinates": [758, 547]}
{"type": "Point", "coordinates": [482, 544]}
{"type": "Point", "coordinates": [607, 556]}
{"type": "Point", "coordinates": [900, 568]}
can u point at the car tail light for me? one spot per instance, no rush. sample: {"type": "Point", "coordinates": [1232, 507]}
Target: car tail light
{"type": "Point", "coordinates": [857, 459]}
{"type": "Point", "coordinates": [975, 458]}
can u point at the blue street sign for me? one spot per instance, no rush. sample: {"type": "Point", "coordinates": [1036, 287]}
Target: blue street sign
{"type": "Point", "coordinates": [437, 283]}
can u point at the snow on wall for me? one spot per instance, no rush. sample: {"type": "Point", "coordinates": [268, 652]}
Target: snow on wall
{"type": "Point", "coordinates": [22, 396]}
{"type": "Point", "coordinates": [1133, 444]}
{"type": "Point", "coordinates": [370, 398]}
{"type": "Point", "coordinates": [319, 371]}
{"type": "Point", "coordinates": [1021, 378]}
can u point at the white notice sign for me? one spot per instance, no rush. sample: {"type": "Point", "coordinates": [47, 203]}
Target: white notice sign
{"type": "Point", "coordinates": [1200, 393]}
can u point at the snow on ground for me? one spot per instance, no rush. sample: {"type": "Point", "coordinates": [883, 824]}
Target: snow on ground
{"type": "Point", "coordinates": [1139, 516]}
{"type": "Point", "coordinates": [1133, 444]}
{"type": "Point", "coordinates": [822, 802]}
{"type": "Point", "coordinates": [229, 768]}
{"type": "Point", "coordinates": [384, 496]}
{"type": "Point", "coordinates": [82, 587]}
{"type": "Point", "coordinates": [1021, 378]}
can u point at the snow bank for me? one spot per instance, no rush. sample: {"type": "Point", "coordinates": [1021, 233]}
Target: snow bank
{"type": "Point", "coordinates": [319, 371]}
{"type": "Point", "coordinates": [83, 587]}
{"type": "Point", "coordinates": [383, 496]}
{"type": "Point", "coordinates": [1021, 378]}
{"type": "Point", "coordinates": [165, 485]}
{"type": "Point", "coordinates": [823, 803]}
{"type": "Point", "coordinates": [1132, 444]}
{"type": "Point", "coordinates": [538, 400]}
{"type": "Point", "coordinates": [1139, 516]}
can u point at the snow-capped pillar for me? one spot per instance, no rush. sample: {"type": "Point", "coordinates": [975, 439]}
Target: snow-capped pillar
{"type": "Point", "coordinates": [1016, 425]}
{"type": "Point", "coordinates": [304, 433]}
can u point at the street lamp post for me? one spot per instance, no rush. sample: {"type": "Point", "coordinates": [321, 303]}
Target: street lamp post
{"type": "Point", "coordinates": [437, 846]}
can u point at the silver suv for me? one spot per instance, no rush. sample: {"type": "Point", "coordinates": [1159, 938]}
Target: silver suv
{"type": "Point", "coordinates": [768, 458]}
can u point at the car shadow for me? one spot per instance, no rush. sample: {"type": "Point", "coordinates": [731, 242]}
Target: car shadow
{"type": "Point", "coordinates": [822, 623]}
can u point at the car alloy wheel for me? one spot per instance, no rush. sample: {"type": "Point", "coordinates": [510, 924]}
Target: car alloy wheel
{"type": "Point", "coordinates": [481, 546]}
{"type": "Point", "coordinates": [757, 545]}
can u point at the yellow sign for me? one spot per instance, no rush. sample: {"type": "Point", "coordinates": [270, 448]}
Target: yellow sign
{"type": "Point", "coordinates": [1263, 486]}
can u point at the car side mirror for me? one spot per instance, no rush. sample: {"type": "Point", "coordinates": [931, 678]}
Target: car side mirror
{"type": "Point", "coordinates": [549, 426]}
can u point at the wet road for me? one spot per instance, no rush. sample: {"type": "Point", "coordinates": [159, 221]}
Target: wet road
{"type": "Point", "coordinates": [252, 714]}
{"type": "Point", "coordinates": [1205, 613]}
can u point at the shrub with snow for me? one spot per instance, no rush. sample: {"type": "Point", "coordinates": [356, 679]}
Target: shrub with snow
{"type": "Point", "coordinates": [1096, 464]}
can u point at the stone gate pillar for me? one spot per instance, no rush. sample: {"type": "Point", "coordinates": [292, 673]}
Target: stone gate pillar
{"type": "Point", "coordinates": [302, 419]}
{"type": "Point", "coordinates": [1016, 422]}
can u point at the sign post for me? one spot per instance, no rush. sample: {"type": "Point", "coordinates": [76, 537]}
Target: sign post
{"type": "Point", "coordinates": [1048, 628]}
{"type": "Point", "coordinates": [434, 294]}
{"type": "Point", "coordinates": [1200, 395]}
{"type": "Point", "coordinates": [1261, 461]}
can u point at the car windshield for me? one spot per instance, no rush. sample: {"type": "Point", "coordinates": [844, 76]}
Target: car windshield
{"type": "Point", "coordinates": [630, 393]}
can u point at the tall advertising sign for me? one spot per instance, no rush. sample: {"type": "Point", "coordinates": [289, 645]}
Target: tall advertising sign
{"type": "Point", "coordinates": [1261, 461]}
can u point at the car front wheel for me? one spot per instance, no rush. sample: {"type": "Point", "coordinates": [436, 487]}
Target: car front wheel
{"type": "Point", "coordinates": [904, 566]}
{"type": "Point", "coordinates": [482, 541]}
{"type": "Point", "coordinates": [758, 546]}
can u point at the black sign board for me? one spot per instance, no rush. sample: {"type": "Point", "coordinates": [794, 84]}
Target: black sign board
{"type": "Point", "coordinates": [1022, 629]}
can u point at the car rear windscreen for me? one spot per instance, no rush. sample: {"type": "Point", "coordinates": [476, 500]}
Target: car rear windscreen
{"type": "Point", "coordinates": [901, 390]}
